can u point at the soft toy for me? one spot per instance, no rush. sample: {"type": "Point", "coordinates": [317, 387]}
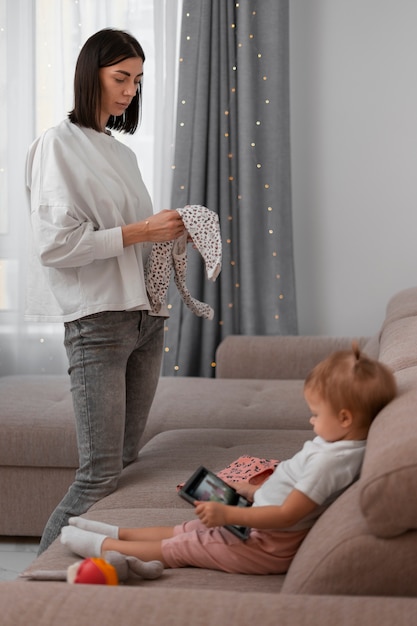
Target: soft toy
{"type": "Point", "coordinates": [92, 571]}
{"type": "Point", "coordinates": [112, 569]}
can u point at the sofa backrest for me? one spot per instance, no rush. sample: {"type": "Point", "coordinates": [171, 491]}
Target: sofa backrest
{"type": "Point", "coordinates": [389, 475]}
{"type": "Point", "coordinates": [366, 542]}
{"type": "Point", "coordinates": [276, 357]}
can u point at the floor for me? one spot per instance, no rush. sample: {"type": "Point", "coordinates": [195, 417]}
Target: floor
{"type": "Point", "coordinates": [16, 553]}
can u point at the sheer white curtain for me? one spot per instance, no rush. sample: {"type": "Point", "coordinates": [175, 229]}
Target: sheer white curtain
{"type": "Point", "coordinates": [39, 45]}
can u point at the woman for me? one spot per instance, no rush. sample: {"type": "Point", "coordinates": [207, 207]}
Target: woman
{"type": "Point", "coordinates": [92, 227]}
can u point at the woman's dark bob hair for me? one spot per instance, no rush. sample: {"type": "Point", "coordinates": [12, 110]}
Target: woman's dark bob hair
{"type": "Point", "coordinates": [107, 47]}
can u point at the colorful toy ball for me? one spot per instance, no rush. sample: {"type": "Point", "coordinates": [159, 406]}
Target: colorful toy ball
{"type": "Point", "coordinates": [95, 572]}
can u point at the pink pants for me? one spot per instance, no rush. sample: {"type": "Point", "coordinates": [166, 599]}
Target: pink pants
{"type": "Point", "coordinates": [264, 552]}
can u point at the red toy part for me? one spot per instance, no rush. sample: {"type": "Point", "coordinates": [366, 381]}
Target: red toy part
{"type": "Point", "coordinates": [96, 572]}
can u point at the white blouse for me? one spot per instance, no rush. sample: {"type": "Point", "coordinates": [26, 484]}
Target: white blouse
{"type": "Point", "coordinates": [84, 186]}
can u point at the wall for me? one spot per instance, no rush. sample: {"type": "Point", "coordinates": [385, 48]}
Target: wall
{"type": "Point", "coordinates": [354, 157]}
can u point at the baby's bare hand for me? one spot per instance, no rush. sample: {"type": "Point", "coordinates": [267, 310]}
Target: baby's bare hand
{"type": "Point", "coordinates": [245, 489]}
{"type": "Point", "coordinates": [211, 513]}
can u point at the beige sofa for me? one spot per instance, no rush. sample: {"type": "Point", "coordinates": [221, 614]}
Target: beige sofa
{"type": "Point", "coordinates": [357, 565]}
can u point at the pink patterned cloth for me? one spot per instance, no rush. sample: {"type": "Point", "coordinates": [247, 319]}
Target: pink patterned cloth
{"type": "Point", "coordinates": [246, 468]}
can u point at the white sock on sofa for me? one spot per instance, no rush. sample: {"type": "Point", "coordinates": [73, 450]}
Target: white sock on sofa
{"type": "Point", "coordinates": [95, 527]}
{"type": "Point", "coordinates": [82, 542]}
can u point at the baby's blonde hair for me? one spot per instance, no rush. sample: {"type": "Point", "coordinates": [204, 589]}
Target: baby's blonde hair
{"type": "Point", "coordinates": [350, 380]}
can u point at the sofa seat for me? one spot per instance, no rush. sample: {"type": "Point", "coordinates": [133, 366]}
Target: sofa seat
{"type": "Point", "coordinates": [38, 451]}
{"type": "Point", "coordinates": [147, 493]}
{"type": "Point", "coordinates": [49, 604]}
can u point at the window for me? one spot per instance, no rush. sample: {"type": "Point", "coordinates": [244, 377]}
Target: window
{"type": "Point", "coordinates": [36, 93]}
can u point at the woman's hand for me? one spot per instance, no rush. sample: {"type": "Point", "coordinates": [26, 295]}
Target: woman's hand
{"type": "Point", "coordinates": [166, 225]}
{"type": "Point", "coordinates": [211, 513]}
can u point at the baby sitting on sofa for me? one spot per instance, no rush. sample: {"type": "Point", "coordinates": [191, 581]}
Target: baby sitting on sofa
{"type": "Point", "coordinates": [345, 392]}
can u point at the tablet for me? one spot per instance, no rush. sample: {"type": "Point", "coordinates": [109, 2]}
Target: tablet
{"type": "Point", "coordinates": [204, 485]}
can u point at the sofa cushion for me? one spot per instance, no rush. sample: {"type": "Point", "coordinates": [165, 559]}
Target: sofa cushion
{"type": "Point", "coordinates": [398, 337]}
{"type": "Point", "coordinates": [389, 474]}
{"type": "Point", "coordinates": [38, 428]}
{"type": "Point", "coordinates": [398, 344]}
{"type": "Point", "coordinates": [341, 556]}
{"type": "Point", "coordinates": [275, 357]}
{"type": "Point", "coordinates": [171, 457]}
{"type": "Point", "coordinates": [216, 403]}
{"type": "Point", "coordinates": [402, 305]}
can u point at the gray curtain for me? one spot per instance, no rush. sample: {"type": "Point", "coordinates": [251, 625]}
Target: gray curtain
{"type": "Point", "coordinates": [232, 154]}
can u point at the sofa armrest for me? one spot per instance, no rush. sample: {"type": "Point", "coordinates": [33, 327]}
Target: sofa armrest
{"type": "Point", "coordinates": [275, 357]}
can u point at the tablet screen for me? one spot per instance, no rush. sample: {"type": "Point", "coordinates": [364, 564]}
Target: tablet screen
{"type": "Point", "coordinates": [212, 488]}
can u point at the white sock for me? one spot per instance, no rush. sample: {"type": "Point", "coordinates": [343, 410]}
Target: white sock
{"type": "Point", "coordinates": [95, 527]}
{"type": "Point", "coordinates": [82, 542]}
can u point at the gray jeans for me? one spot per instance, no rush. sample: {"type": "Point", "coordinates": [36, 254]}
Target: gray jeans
{"type": "Point", "coordinates": [114, 365]}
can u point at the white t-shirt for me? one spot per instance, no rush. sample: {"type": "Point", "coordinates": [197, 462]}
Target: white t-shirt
{"type": "Point", "coordinates": [321, 470]}
{"type": "Point", "coordinates": [84, 186]}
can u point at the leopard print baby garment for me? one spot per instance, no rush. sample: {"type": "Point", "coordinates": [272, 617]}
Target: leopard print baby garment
{"type": "Point", "coordinates": [202, 225]}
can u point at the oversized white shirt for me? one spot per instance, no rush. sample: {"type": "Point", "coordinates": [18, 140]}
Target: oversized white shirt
{"type": "Point", "coordinates": [84, 186]}
{"type": "Point", "coordinates": [321, 470]}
